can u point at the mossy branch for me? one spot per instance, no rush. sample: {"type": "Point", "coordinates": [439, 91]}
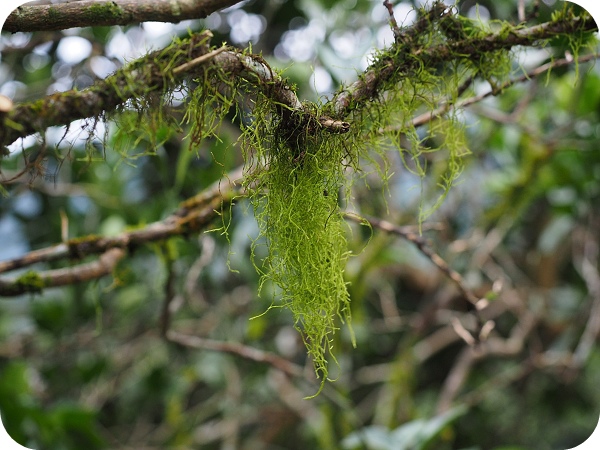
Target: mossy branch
{"type": "Point", "coordinates": [408, 55]}
{"type": "Point", "coordinates": [89, 13]}
{"type": "Point", "coordinates": [148, 74]}
{"type": "Point", "coordinates": [156, 72]}
{"type": "Point", "coordinates": [151, 73]}
{"type": "Point", "coordinates": [36, 282]}
{"type": "Point", "coordinates": [427, 117]}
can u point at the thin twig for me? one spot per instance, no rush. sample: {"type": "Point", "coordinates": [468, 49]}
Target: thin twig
{"type": "Point", "coordinates": [244, 351]}
{"type": "Point", "coordinates": [438, 112]}
{"type": "Point", "coordinates": [410, 235]}
{"type": "Point", "coordinates": [521, 11]}
{"type": "Point", "coordinates": [393, 23]}
{"type": "Point", "coordinates": [165, 316]}
{"type": "Point", "coordinates": [199, 60]}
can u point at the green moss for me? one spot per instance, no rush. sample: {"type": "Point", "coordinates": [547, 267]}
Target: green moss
{"type": "Point", "coordinates": [296, 179]}
{"type": "Point", "coordinates": [53, 14]}
{"type": "Point", "coordinates": [298, 173]}
{"type": "Point", "coordinates": [30, 282]}
{"type": "Point", "coordinates": [104, 12]}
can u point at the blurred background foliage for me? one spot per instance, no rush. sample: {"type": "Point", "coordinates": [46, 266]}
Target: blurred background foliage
{"type": "Point", "coordinates": [85, 366]}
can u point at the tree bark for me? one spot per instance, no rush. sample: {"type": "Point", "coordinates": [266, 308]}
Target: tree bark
{"type": "Point", "coordinates": [89, 13]}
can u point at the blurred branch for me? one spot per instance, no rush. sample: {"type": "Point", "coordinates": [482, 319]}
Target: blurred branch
{"type": "Point", "coordinates": [410, 235]}
{"type": "Point", "coordinates": [438, 112]}
{"type": "Point", "coordinates": [93, 13]}
{"type": "Point", "coordinates": [165, 316]}
{"type": "Point", "coordinates": [193, 215]}
{"type": "Point", "coordinates": [33, 282]}
{"type": "Point", "coordinates": [586, 263]}
{"type": "Point", "coordinates": [521, 11]}
{"type": "Point", "coordinates": [493, 346]}
{"type": "Point", "coordinates": [244, 351]}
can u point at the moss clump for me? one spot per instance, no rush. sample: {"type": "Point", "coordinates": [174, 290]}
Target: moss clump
{"type": "Point", "coordinates": [30, 282]}
{"type": "Point", "coordinates": [104, 12]}
{"type": "Point", "coordinates": [154, 111]}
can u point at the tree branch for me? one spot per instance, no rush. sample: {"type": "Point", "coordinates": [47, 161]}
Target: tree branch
{"type": "Point", "coordinates": [117, 12]}
{"type": "Point", "coordinates": [33, 282]}
{"type": "Point", "coordinates": [193, 215]}
{"type": "Point", "coordinates": [420, 243]}
{"type": "Point", "coordinates": [145, 75]}
{"type": "Point", "coordinates": [188, 59]}
{"type": "Point", "coordinates": [429, 116]}
{"type": "Point", "coordinates": [244, 351]}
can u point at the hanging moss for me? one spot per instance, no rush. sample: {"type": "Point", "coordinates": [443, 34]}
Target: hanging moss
{"type": "Point", "coordinates": [297, 172]}
{"type": "Point", "coordinates": [301, 158]}
{"type": "Point", "coordinates": [296, 180]}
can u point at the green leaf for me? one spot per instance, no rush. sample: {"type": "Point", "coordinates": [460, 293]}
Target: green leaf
{"type": "Point", "coordinates": [414, 435]}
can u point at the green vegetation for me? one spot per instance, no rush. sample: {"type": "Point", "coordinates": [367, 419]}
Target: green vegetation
{"type": "Point", "coordinates": [371, 230]}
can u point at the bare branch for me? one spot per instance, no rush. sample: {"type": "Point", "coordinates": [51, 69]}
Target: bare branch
{"type": "Point", "coordinates": [410, 235]}
{"type": "Point", "coordinates": [587, 266]}
{"type": "Point", "coordinates": [495, 346]}
{"type": "Point", "coordinates": [197, 61]}
{"type": "Point", "coordinates": [521, 11]}
{"type": "Point", "coordinates": [165, 316]}
{"type": "Point", "coordinates": [95, 13]}
{"type": "Point", "coordinates": [393, 23]}
{"type": "Point", "coordinates": [244, 351]}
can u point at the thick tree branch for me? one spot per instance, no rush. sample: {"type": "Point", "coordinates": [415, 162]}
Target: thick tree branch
{"type": "Point", "coordinates": [136, 80]}
{"type": "Point", "coordinates": [93, 13]}
{"type": "Point", "coordinates": [188, 59]}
